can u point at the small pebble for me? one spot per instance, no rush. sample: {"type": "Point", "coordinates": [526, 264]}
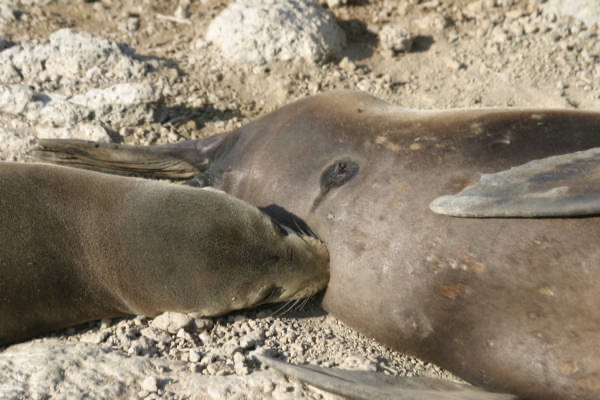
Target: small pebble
{"type": "Point", "coordinates": [395, 39]}
{"type": "Point", "coordinates": [172, 322]}
{"type": "Point", "coordinates": [194, 356]}
{"type": "Point", "coordinates": [150, 384]}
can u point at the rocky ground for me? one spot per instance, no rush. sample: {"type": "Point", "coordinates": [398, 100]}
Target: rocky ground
{"type": "Point", "coordinates": [149, 72]}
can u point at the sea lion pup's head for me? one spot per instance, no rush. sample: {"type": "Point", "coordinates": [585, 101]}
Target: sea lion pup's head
{"type": "Point", "coordinates": [304, 251]}
{"type": "Point", "coordinates": [259, 256]}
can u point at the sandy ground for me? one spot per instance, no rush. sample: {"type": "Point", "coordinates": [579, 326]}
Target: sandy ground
{"type": "Point", "coordinates": [464, 54]}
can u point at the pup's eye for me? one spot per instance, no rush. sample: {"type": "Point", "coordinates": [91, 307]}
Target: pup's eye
{"type": "Point", "coordinates": [337, 174]}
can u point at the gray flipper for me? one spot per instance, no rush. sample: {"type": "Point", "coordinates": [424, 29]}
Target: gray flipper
{"type": "Point", "coordinates": [144, 161]}
{"type": "Point", "coordinates": [183, 160]}
{"type": "Point", "coordinates": [363, 385]}
{"type": "Point", "coordinates": [561, 186]}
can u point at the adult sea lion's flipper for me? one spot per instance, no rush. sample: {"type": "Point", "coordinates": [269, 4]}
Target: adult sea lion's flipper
{"type": "Point", "coordinates": [567, 185]}
{"type": "Point", "coordinates": [143, 161]}
{"type": "Point", "coordinates": [377, 386]}
{"type": "Point", "coordinates": [182, 160]}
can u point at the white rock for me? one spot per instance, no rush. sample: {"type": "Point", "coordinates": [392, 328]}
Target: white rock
{"type": "Point", "coordinates": [261, 31]}
{"type": "Point", "coordinates": [172, 322]}
{"type": "Point", "coordinates": [14, 144]}
{"type": "Point", "coordinates": [60, 111]}
{"type": "Point", "coordinates": [194, 355]}
{"type": "Point", "coordinates": [158, 335]}
{"type": "Point", "coordinates": [394, 39]}
{"type": "Point", "coordinates": [68, 55]}
{"type": "Point", "coordinates": [150, 384]}
{"type": "Point", "coordinates": [118, 105]}
{"type": "Point", "coordinates": [123, 94]}
{"type": "Point", "coordinates": [18, 100]}
{"type": "Point", "coordinates": [8, 73]}
{"type": "Point", "coordinates": [53, 369]}
{"type": "Point", "coordinates": [84, 131]}
{"type": "Point", "coordinates": [94, 337]}
{"type": "Point", "coordinates": [238, 358]}
{"type": "Point", "coordinates": [252, 339]}
{"type": "Point", "coordinates": [203, 324]}
{"type": "Point", "coordinates": [336, 3]}
{"type": "Point", "coordinates": [587, 11]}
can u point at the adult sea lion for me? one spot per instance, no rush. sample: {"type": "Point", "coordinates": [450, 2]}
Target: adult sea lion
{"type": "Point", "coordinates": [507, 303]}
{"type": "Point", "coordinates": [79, 245]}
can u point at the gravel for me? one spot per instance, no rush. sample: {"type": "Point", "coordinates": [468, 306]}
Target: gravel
{"type": "Point", "coordinates": [133, 357]}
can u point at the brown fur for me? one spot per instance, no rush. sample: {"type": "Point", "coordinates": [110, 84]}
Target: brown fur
{"type": "Point", "coordinates": [78, 245]}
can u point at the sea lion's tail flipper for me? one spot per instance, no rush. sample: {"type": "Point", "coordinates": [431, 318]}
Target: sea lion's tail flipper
{"type": "Point", "coordinates": [378, 386]}
{"type": "Point", "coordinates": [567, 185]}
{"type": "Point", "coordinates": [182, 160]}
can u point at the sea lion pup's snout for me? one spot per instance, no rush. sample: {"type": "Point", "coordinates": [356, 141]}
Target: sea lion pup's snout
{"type": "Point", "coordinates": [300, 266]}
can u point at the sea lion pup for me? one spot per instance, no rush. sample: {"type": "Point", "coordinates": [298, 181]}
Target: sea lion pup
{"type": "Point", "coordinates": [509, 304]}
{"type": "Point", "coordinates": [78, 245]}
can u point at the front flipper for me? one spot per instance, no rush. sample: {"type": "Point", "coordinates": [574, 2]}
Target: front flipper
{"type": "Point", "coordinates": [561, 186]}
{"type": "Point", "coordinates": [145, 161]}
{"type": "Point", "coordinates": [183, 160]}
{"type": "Point", "coordinates": [378, 386]}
